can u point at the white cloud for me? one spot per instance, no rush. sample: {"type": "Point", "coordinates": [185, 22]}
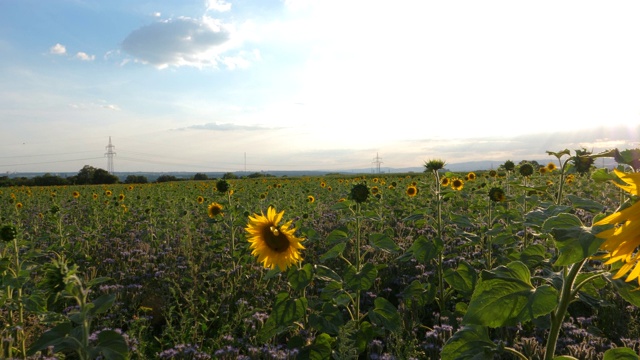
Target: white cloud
{"type": "Point", "coordinates": [179, 42]}
{"type": "Point", "coordinates": [225, 127]}
{"type": "Point", "coordinates": [218, 5]}
{"type": "Point", "coordinates": [84, 56]}
{"type": "Point", "coordinates": [58, 49]}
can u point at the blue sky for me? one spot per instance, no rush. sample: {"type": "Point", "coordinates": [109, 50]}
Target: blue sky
{"type": "Point", "coordinates": [300, 84]}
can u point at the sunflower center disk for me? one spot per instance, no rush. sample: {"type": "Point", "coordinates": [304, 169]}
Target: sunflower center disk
{"type": "Point", "coordinates": [276, 241]}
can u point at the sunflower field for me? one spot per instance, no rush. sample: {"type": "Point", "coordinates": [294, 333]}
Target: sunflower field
{"type": "Point", "coordinates": [519, 262]}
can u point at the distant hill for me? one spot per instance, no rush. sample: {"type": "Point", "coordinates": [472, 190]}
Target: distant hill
{"type": "Point", "coordinates": [455, 167]}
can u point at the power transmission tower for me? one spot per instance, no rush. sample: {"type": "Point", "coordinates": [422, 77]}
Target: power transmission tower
{"type": "Point", "coordinates": [376, 160]}
{"type": "Point", "coordinates": [109, 154]}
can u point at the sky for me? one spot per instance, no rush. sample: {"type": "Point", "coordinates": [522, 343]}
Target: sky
{"type": "Point", "coordinates": [264, 85]}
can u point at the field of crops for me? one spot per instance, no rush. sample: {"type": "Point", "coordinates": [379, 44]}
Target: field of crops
{"type": "Point", "coordinates": [484, 265]}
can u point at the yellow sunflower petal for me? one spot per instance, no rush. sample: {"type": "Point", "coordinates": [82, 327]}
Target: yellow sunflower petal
{"type": "Point", "coordinates": [632, 180]}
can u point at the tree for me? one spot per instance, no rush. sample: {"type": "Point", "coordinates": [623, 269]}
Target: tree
{"type": "Point", "coordinates": [200, 176]}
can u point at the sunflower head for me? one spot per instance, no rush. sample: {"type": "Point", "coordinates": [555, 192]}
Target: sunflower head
{"type": "Point", "coordinates": [496, 194]}
{"type": "Point", "coordinates": [445, 181]}
{"type": "Point", "coordinates": [526, 169]}
{"type": "Point", "coordinates": [412, 191]}
{"type": "Point", "coordinates": [310, 199]}
{"type": "Point", "coordinates": [434, 165]}
{"type": "Point", "coordinates": [8, 233]}
{"type": "Point", "coordinates": [76, 194]}
{"type": "Point", "coordinates": [273, 244]}
{"type": "Point", "coordinates": [622, 241]}
{"type": "Point", "coordinates": [457, 184]}
{"type": "Point", "coordinates": [543, 170]}
{"type": "Point", "coordinates": [509, 165]}
{"type": "Point", "coordinates": [493, 173]}
{"type": "Point", "coordinates": [359, 193]}
{"type": "Point", "coordinates": [471, 176]}
{"type": "Point", "coordinates": [214, 210]}
{"type": "Point", "coordinates": [551, 166]}
{"type": "Point", "coordinates": [583, 161]}
{"type": "Point", "coordinates": [200, 199]}
{"type": "Point", "coordinates": [222, 186]}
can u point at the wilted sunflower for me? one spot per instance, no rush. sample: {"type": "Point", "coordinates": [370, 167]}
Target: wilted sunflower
{"type": "Point", "coordinates": [457, 184]}
{"type": "Point", "coordinates": [412, 191]}
{"type": "Point", "coordinates": [496, 194]}
{"type": "Point", "coordinates": [493, 173]}
{"type": "Point", "coordinates": [273, 245]}
{"type": "Point", "coordinates": [214, 210]}
{"type": "Point", "coordinates": [622, 240]}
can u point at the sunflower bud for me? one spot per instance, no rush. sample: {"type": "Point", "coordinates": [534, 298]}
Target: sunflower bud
{"type": "Point", "coordinates": [526, 169]}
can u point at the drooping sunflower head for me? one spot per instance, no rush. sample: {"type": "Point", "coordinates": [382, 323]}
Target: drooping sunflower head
{"type": "Point", "coordinates": [457, 184]}
{"type": "Point", "coordinates": [583, 161]}
{"type": "Point", "coordinates": [412, 191]}
{"type": "Point", "coordinates": [8, 233]}
{"type": "Point", "coordinates": [496, 194]}
{"type": "Point", "coordinates": [273, 244]}
{"type": "Point", "coordinates": [214, 210]}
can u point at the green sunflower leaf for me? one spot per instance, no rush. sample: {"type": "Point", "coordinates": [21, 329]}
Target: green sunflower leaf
{"type": "Point", "coordinates": [300, 278]}
{"type": "Point", "coordinates": [575, 241]}
{"type": "Point", "coordinates": [385, 314]}
{"type": "Point", "coordinates": [463, 279]}
{"type": "Point", "coordinates": [383, 242]}
{"type": "Point", "coordinates": [471, 342]}
{"type": "Point", "coordinates": [621, 353]}
{"type": "Point", "coordinates": [362, 280]}
{"type": "Point", "coordinates": [505, 296]}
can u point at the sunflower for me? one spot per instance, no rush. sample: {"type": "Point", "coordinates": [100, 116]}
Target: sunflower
{"type": "Point", "coordinates": [95, 196]}
{"type": "Point", "coordinates": [622, 240]}
{"type": "Point", "coordinates": [108, 193]}
{"type": "Point", "coordinates": [457, 184]}
{"type": "Point", "coordinates": [19, 205]}
{"type": "Point", "coordinates": [214, 210]}
{"type": "Point", "coordinates": [121, 197]}
{"type": "Point", "coordinates": [76, 194]}
{"type": "Point", "coordinates": [445, 181]}
{"type": "Point", "coordinates": [310, 199]}
{"type": "Point", "coordinates": [359, 193]}
{"type": "Point", "coordinates": [543, 170]}
{"type": "Point", "coordinates": [375, 190]}
{"type": "Point", "coordinates": [200, 199]}
{"type": "Point", "coordinates": [273, 245]}
{"type": "Point", "coordinates": [496, 194]}
{"type": "Point", "coordinates": [551, 166]}
{"type": "Point", "coordinates": [493, 173]}
{"type": "Point", "coordinates": [526, 169]}
{"type": "Point", "coordinates": [412, 191]}
{"type": "Point", "coordinates": [471, 176]}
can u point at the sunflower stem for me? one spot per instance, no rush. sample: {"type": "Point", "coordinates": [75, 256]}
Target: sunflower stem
{"type": "Point", "coordinates": [567, 294]}
{"type": "Point", "coordinates": [358, 259]}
